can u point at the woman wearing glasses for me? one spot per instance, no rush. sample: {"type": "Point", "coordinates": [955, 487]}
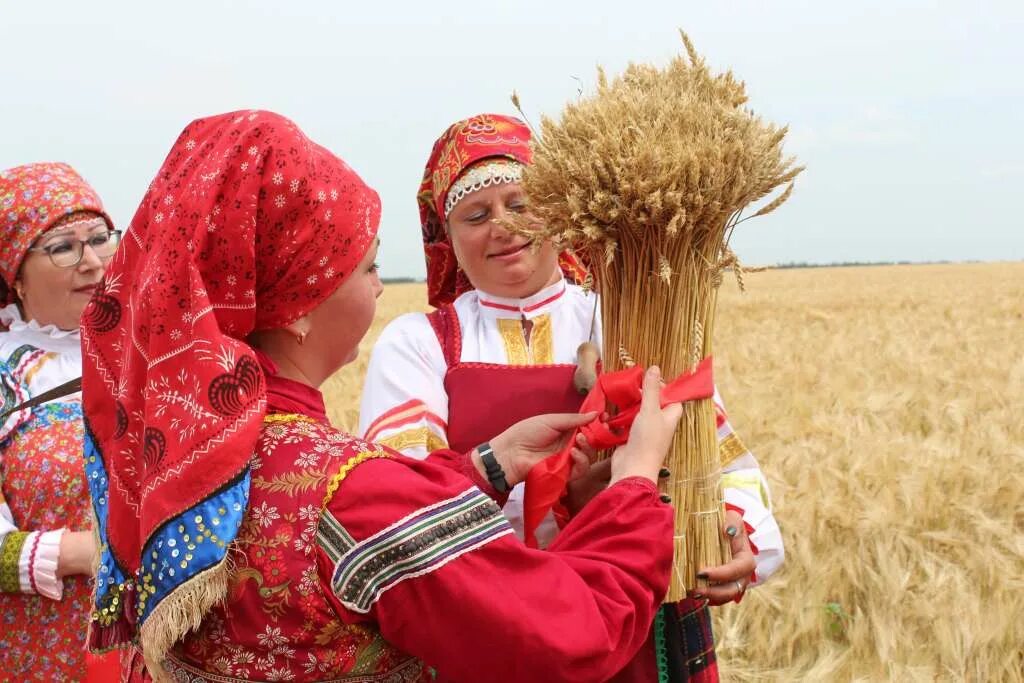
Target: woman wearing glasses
{"type": "Point", "coordinates": [55, 240]}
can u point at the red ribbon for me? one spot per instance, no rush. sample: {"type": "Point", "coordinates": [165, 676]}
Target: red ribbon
{"type": "Point", "coordinates": [623, 389]}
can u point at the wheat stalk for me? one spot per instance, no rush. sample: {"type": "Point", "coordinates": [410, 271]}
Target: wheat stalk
{"type": "Point", "coordinates": [648, 176]}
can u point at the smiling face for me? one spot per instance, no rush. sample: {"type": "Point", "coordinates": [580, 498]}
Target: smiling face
{"type": "Point", "coordinates": [495, 260]}
{"type": "Point", "coordinates": [52, 295]}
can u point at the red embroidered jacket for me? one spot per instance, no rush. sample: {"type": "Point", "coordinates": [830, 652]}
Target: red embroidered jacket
{"type": "Point", "coordinates": [358, 564]}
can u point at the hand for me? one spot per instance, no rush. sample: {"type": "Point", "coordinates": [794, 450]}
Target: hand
{"type": "Point", "coordinates": [729, 581]}
{"type": "Point", "coordinates": [580, 491]}
{"type": "Point", "coordinates": [650, 436]}
{"type": "Point", "coordinates": [77, 553]}
{"type": "Point", "coordinates": [526, 443]}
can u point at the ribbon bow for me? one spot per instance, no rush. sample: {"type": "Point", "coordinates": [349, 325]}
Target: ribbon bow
{"type": "Point", "coordinates": [622, 389]}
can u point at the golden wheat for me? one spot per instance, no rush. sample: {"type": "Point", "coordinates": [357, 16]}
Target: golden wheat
{"type": "Point", "coordinates": [884, 406]}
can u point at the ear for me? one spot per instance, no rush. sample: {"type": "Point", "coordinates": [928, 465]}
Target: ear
{"type": "Point", "coordinates": [19, 289]}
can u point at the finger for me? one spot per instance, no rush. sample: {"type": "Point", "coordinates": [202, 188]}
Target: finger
{"type": "Point", "coordinates": [584, 445]}
{"type": "Point", "coordinates": [566, 421]}
{"type": "Point", "coordinates": [580, 464]}
{"type": "Point", "coordinates": [601, 470]}
{"type": "Point", "coordinates": [651, 398]}
{"type": "Point", "coordinates": [739, 568]}
{"type": "Point", "coordinates": [719, 595]}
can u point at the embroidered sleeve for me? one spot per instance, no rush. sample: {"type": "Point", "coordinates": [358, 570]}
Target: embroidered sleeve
{"type": "Point", "coordinates": [418, 551]}
{"type": "Point", "coordinates": [404, 404]}
{"type": "Point", "coordinates": [746, 491]}
{"type": "Point", "coordinates": [414, 546]}
{"type": "Point", "coordinates": [28, 559]}
{"type": "Point", "coordinates": [14, 392]}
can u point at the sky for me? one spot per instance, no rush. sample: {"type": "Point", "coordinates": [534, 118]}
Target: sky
{"type": "Point", "coordinates": [908, 114]}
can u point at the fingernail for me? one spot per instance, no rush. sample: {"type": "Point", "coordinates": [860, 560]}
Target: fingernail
{"type": "Point", "coordinates": [731, 531]}
{"type": "Point", "coordinates": [665, 499]}
{"type": "Point", "coordinates": [702, 575]}
{"type": "Point", "coordinates": [664, 472]}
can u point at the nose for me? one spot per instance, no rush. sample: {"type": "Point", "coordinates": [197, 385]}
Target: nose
{"type": "Point", "coordinates": [378, 287]}
{"type": "Point", "coordinates": [498, 229]}
{"type": "Point", "coordinates": [90, 260]}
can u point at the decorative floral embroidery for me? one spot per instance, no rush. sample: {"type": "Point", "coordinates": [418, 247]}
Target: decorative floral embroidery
{"type": "Point", "coordinates": [45, 487]}
{"type": "Point", "coordinates": [277, 623]}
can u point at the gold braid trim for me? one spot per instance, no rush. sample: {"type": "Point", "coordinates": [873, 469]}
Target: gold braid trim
{"type": "Point", "coordinates": [422, 436]}
{"type": "Point", "coordinates": [278, 418]}
{"type": "Point", "coordinates": [347, 468]}
{"type": "Point", "coordinates": [730, 449]}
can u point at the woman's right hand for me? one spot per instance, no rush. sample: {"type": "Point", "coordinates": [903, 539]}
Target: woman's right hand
{"type": "Point", "coordinates": [650, 436]}
{"type": "Point", "coordinates": [77, 553]}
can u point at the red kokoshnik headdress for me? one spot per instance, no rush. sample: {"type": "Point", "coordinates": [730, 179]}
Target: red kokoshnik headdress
{"type": "Point", "coordinates": [464, 144]}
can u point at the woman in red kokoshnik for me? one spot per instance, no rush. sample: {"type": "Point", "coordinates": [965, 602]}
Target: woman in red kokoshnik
{"type": "Point", "coordinates": [501, 346]}
{"type": "Point", "coordinates": [244, 538]}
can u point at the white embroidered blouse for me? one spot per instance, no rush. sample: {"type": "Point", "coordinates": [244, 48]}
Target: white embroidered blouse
{"type": "Point", "coordinates": [404, 404]}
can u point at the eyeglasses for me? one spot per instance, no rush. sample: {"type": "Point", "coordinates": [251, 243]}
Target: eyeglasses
{"type": "Point", "coordinates": [67, 252]}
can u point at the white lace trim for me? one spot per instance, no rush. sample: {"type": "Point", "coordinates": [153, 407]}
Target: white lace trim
{"type": "Point", "coordinates": [10, 316]}
{"type": "Point", "coordinates": [483, 175]}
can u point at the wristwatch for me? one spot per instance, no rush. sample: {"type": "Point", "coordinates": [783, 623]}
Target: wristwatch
{"type": "Point", "coordinates": [495, 474]}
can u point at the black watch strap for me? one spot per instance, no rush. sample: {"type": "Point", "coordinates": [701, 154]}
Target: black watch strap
{"type": "Point", "coordinates": [495, 474]}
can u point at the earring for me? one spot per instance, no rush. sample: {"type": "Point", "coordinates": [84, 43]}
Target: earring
{"type": "Point", "coordinates": [301, 337]}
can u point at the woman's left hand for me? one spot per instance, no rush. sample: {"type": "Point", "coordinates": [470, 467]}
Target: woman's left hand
{"type": "Point", "coordinates": [526, 443]}
{"type": "Point", "coordinates": [729, 581]}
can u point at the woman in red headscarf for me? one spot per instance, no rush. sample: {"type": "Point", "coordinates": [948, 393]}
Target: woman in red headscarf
{"type": "Point", "coordinates": [55, 239]}
{"type": "Point", "coordinates": [502, 346]}
{"type": "Point", "coordinates": [243, 538]}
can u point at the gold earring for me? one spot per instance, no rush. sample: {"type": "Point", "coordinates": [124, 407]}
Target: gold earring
{"type": "Point", "coordinates": [301, 337]}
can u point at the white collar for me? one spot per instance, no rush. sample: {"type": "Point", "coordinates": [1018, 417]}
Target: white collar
{"type": "Point", "coordinates": [10, 317]}
{"type": "Point", "coordinates": [530, 307]}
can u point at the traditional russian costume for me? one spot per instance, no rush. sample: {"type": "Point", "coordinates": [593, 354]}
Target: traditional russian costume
{"type": "Point", "coordinates": [246, 539]}
{"type": "Point", "coordinates": [43, 490]}
{"type": "Point", "coordinates": [469, 369]}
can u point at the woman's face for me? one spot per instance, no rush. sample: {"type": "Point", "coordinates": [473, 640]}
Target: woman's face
{"type": "Point", "coordinates": [495, 260]}
{"type": "Point", "coordinates": [52, 295]}
{"type": "Point", "coordinates": [338, 324]}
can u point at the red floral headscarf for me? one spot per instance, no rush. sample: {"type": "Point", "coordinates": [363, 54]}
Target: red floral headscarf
{"type": "Point", "coordinates": [465, 143]}
{"type": "Point", "coordinates": [248, 225]}
{"type": "Point", "coordinates": [32, 198]}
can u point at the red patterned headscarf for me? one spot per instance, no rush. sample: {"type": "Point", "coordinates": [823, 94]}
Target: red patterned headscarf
{"type": "Point", "coordinates": [464, 144]}
{"type": "Point", "coordinates": [32, 198]}
{"type": "Point", "coordinates": [248, 225]}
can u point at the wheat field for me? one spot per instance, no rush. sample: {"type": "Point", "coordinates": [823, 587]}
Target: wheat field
{"type": "Point", "coordinates": [884, 404]}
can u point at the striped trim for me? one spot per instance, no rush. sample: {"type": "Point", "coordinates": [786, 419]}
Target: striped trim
{"type": "Point", "coordinates": [411, 438]}
{"type": "Point", "coordinates": [730, 448]}
{"type": "Point", "coordinates": [407, 413]}
{"type": "Point", "coordinates": [332, 537]}
{"type": "Point", "coordinates": [416, 545]}
{"type": "Point", "coordinates": [10, 554]}
{"type": "Point", "coordinates": [524, 309]}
